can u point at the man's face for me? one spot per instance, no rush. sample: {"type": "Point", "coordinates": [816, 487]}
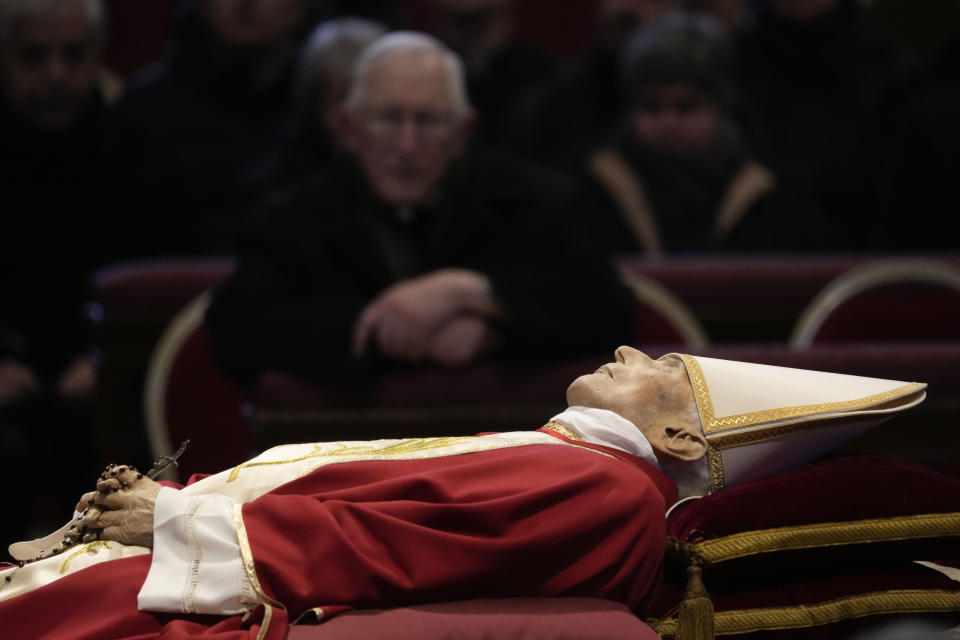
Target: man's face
{"type": "Point", "coordinates": [676, 118]}
{"type": "Point", "coordinates": [652, 394]}
{"type": "Point", "coordinates": [50, 65]}
{"type": "Point", "coordinates": [407, 131]}
{"type": "Point", "coordinates": [250, 23]}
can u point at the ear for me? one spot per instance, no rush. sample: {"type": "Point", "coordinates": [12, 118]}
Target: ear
{"type": "Point", "coordinates": [684, 442]}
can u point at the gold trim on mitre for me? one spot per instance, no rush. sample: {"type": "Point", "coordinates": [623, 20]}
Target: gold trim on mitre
{"type": "Point", "coordinates": [712, 423]}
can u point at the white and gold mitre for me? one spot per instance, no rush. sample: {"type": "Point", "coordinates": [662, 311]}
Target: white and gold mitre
{"type": "Point", "coordinates": [760, 419]}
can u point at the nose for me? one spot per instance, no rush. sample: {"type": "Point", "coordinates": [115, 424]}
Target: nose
{"type": "Point", "coordinates": [56, 67]}
{"type": "Point", "coordinates": [627, 355]}
{"type": "Point", "coordinates": [408, 137]}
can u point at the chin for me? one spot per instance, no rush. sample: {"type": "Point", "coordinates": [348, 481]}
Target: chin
{"type": "Point", "coordinates": [403, 195]}
{"type": "Point", "coordinates": [578, 393]}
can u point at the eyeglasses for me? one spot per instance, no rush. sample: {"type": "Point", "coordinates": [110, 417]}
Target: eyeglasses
{"type": "Point", "coordinates": [429, 125]}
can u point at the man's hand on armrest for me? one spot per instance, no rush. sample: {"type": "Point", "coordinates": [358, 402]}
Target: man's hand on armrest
{"type": "Point", "coordinates": [461, 340]}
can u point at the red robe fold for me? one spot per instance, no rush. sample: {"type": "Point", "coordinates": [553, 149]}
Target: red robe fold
{"type": "Point", "coordinates": [539, 520]}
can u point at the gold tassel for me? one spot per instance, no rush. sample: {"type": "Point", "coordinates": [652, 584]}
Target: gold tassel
{"type": "Point", "coordinates": [695, 616]}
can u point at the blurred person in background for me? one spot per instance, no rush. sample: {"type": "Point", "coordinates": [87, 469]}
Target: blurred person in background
{"type": "Point", "coordinates": [675, 175]}
{"type": "Point", "coordinates": [812, 72]}
{"type": "Point", "coordinates": [916, 165]}
{"type": "Point", "coordinates": [216, 102]}
{"type": "Point", "coordinates": [500, 68]}
{"type": "Point", "coordinates": [416, 249]}
{"type": "Point", "coordinates": [55, 154]}
{"type": "Point", "coordinates": [565, 112]}
{"type": "Point", "coordinates": [311, 137]}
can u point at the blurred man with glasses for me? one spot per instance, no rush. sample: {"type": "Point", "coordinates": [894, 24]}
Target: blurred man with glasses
{"type": "Point", "coordinates": [417, 248]}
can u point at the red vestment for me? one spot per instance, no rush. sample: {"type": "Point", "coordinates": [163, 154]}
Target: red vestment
{"type": "Point", "coordinates": [538, 520]}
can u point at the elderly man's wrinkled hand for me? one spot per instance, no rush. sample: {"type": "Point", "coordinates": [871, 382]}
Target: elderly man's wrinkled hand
{"type": "Point", "coordinates": [402, 319]}
{"type": "Point", "coordinates": [461, 341]}
{"type": "Point", "coordinates": [120, 509]}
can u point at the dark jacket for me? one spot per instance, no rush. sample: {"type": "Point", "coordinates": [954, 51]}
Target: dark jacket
{"type": "Point", "coordinates": [312, 258]}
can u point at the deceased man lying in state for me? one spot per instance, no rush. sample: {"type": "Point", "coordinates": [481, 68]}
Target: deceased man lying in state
{"type": "Point", "coordinates": [574, 508]}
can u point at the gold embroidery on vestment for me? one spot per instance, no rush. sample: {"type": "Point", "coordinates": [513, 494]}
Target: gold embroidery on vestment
{"type": "Point", "coordinates": [712, 423]}
{"type": "Point", "coordinates": [246, 554]}
{"type": "Point", "coordinates": [369, 452]}
{"type": "Point", "coordinates": [90, 546]}
{"type": "Point", "coordinates": [265, 623]}
{"type": "Point", "coordinates": [563, 430]}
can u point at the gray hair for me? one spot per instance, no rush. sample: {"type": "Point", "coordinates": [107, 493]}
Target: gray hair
{"type": "Point", "coordinates": [406, 42]}
{"type": "Point", "coordinates": [11, 10]}
{"type": "Point", "coordinates": [328, 58]}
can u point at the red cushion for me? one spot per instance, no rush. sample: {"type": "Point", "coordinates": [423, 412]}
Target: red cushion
{"type": "Point", "coordinates": [842, 488]}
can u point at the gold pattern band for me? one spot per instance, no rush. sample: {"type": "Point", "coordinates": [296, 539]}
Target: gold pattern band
{"type": "Point", "coordinates": [763, 434]}
{"type": "Point", "coordinates": [746, 543]}
{"type": "Point", "coordinates": [247, 555]}
{"type": "Point", "coordinates": [713, 423]}
{"type": "Point", "coordinates": [405, 449]}
{"type": "Point", "coordinates": [562, 429]}
{"type": "Point", "coordinates": [812, 615]}
{"type": "Point", "coordinates": [717, 475]}
{"type": "Point", "coordinates": [90, 546]}
{"type": "Point", "coordinates": [265, 623]}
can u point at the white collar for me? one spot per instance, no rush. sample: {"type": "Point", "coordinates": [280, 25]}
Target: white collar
{"type": "Point", "coordinates": [602, 426]}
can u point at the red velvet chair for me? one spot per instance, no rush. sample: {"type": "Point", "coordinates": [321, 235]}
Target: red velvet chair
{"type": "Point", "coordinates": [187, 398]}
{"type": "Point", "coordinates": [750, 298]}
{"type": "Point", "coordinates": [903, 299]}
{"type": "Point", "coordinates": [134, 302]}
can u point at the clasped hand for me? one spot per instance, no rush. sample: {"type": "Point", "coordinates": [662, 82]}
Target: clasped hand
{"type": "Point", "coordinates": [120, 509]}
{"type": "Point", "coordinates": [441, 316]}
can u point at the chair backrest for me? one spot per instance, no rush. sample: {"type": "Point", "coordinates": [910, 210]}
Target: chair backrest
{"type": "Point", "coordinates": [186, 397]}
{"type": "Point", "coordinates": [914, 299]}
{"type": "Point", "coordinates": [660, 316]}
{"type": "Point", "coordinates": [133, 302]}
{"type": "Point", "coordinates": [743, 298]}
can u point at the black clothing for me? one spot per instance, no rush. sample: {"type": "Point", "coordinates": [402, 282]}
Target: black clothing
{"type": "Point", "coordinates": [808, 89]}
{"type": "Point", "coordinates": [684, 194]}
{"type": "Point", "coordinates": [500, 84]}
{"type": "Point", "coordinates": [58, 195]}
{"type": "Point", "coordinates": [313, 258]}
{"type": "Point", "coordinates": [196, 120]}
{"type": "Point", "coordinates": [915, 158]}
{"type": "Point", "coordinates": [558, 119]}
